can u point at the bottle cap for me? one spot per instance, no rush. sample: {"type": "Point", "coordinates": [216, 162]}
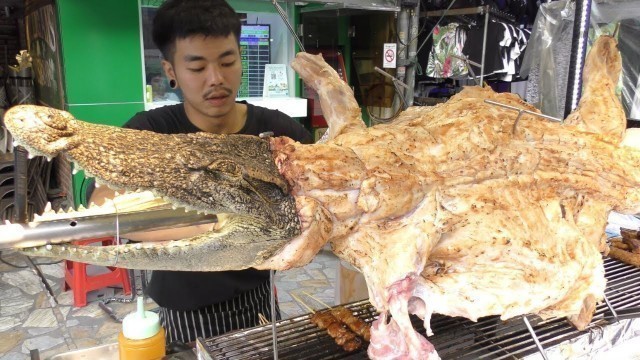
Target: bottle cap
{"type": "Point", "coordinates": [140, 324]}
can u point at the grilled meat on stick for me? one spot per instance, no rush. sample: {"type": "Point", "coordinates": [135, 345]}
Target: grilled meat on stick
{"type": "Point", "coordinates": [337, 330]}
{"type": "Point", "coordinates": [354, 323]}
{"type": "Point", "coordinates": [449, 209]}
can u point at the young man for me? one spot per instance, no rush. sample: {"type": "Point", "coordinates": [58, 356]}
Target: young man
{"type": "Point", "coordinates": [199, 40]}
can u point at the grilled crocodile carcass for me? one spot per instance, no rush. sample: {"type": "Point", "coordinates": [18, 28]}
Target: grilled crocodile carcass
{"type": "Point", "coordinates": [450, 209]}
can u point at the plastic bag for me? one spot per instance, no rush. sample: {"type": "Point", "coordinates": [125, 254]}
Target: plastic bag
{"type": "Point", "coordinates": [548, 70]}
{"type": "Point", "coordinates": [546, 60]}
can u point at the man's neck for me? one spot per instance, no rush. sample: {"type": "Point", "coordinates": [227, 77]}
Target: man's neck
{"type": "Point", "coordinates": [230, 123]}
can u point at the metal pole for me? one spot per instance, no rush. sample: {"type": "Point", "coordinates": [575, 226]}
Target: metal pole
{"type": "Point", "coordinates": [403, 39]}
{"type": "Point", "coordinates": [412, 54]}
{"type": "Point", "coordinates": [578, 54]}
{"type": "Point", "coordinates": [274, 318]}
{"type": "Point", "coordinates": [284, 17]}
{"type": "Point", "coordinates": [59, 231]}
{"type": "Point", "coordinates": [535, 338]}
{"type": "Point", "coordinates": [484, 44]}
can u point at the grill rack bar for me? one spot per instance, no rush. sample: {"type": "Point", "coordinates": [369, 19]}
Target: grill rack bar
{"type": "Point", "coordinates": [454, 338]}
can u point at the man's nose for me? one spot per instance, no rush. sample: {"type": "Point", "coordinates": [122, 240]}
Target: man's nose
{"type": "Point", "coordinates": [215, 75]}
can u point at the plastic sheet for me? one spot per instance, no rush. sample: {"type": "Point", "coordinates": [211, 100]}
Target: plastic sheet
{"type": "Point", "coordinates": [547, 67]}
{"type": "Point", "coordinates": [543, 62]}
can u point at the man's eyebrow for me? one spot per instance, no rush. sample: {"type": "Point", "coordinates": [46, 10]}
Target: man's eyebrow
{"type": "Point", "coordinates": [189, 58]}
{"type": "Point", "coordinates": [226, 53]}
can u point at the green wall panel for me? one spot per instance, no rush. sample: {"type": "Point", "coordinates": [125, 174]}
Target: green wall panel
{"type": "Point", "coordinates": [253, 6]}
{"type": "Point", "coordinates": [110, 114]}
{"type": "Point", "coordinates": [101, 51]}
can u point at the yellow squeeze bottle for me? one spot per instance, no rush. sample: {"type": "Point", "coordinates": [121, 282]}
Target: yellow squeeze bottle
{"type": "Point", "coordinates": [142, 337]}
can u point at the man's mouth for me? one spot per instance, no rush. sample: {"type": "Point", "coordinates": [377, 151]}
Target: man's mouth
{"type": "Point", "coordinates": [217, 93]}
{"type": "Point", "coordinates": [217, 100]}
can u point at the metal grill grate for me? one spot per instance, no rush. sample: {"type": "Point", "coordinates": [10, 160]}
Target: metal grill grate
{"type": "Point", "coordinates": [455, 338]}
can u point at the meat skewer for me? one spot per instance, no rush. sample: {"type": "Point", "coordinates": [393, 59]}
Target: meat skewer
{"type": "Point", "coordinates": [338, 331]}
{"type": "Point", "coordinates": [626, 257]}
{"type": "Point", "coordinates": [357, 325]}
{"type": "Point", "coordinates": [632, 239]}
{"type": "Point", "coordinates": [354, 323]}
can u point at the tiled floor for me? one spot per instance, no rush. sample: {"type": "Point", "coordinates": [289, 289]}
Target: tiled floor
{"type": "Point", "coordinates": [31, 319]}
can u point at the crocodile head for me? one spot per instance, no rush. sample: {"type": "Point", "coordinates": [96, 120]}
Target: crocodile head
{"type": "Point", "coordinates": [233, 175]}
{"type": "Point", "coordinates": [42, 130]}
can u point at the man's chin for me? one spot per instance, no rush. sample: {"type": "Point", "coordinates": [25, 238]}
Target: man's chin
{"type": "Point", "coordinates": [216, 111]}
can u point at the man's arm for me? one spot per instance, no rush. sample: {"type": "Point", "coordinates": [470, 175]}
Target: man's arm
{"type": "Point", "coordinates": [103, 193]}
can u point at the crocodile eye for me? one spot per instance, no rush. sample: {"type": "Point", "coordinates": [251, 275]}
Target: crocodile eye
{"type": "Point", "coordinates": [227, 167]}
{"type": "Point", "coordinates": [230, 168]}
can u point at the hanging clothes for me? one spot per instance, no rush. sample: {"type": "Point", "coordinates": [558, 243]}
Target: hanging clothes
{"type": "Point", "coordinates": [493, 61]}
{"type": "Point", "coordinates": [447, 40]}
{"type": "Point", "coordinates": [514, 51]}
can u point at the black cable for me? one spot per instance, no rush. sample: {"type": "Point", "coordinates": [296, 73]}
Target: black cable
{"type": "Point", "coordinates": [26, 266]}
{"type": "Point", "coordinates": [419, 31]}
{"type": "Point", "coordinates": [10, 264]}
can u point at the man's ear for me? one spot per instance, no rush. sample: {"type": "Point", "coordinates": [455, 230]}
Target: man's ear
{"type": "Point", "coordinates": [168, 70]}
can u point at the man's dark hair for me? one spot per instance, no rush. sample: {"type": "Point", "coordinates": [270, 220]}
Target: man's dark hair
{"type": "Point", "coordinates": [180, 19]}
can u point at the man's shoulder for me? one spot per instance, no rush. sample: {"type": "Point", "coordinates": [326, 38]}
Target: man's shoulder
{"type": "Point", "coordinates": [162, 119]}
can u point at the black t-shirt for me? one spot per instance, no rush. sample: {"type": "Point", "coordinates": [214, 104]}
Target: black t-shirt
{"type": "Point", "coordinates": [186, 290]}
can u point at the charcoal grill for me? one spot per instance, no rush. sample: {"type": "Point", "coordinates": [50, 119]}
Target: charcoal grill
{"type": "Point", "coordinates": [455, 338]}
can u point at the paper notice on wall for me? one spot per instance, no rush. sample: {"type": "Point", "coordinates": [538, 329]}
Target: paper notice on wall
{"type": "Point", "coordinates": [275, 81]}
{"type": "Point", "coordinates": [389, 56]}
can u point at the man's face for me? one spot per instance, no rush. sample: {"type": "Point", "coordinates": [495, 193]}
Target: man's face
{"type": "Point", "coordinates": [208, 71]}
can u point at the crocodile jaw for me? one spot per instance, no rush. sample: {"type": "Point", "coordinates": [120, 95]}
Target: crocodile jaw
{"type": "Point", "coordinates": [234, 175]}
{"type": "Point", "coordinates": [41, 130]}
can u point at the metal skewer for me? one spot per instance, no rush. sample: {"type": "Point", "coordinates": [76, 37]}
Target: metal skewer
{"type": "Point", "coordinates": [396, 83]}
{"type": "Point", "coordinates": [87, 227]}
{"type": "Point", "coordinates": [469, 62]}
{"type": "Point", "coordinates": [283, 15]}
{"type": "Point", "coordinates": [613, 311]}
{"type": "Point", "coordinates": [274, 330]}
{"type": "Point", "coordinates": [535, 338]}
{"type": "Point", "coordinates": [522, 111]}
